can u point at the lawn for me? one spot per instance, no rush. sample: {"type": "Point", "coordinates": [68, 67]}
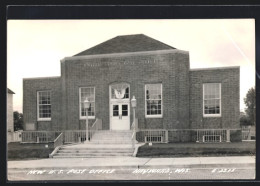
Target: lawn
{"type": "Point", "coordinates": [18, 151]}
{"type": "Point", "coordinates": [197, 149]}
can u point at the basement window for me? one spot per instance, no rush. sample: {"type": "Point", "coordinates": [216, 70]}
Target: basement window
{"type": "Point", "coordinates": [212, 138]}
{"type": "Point", "coordinates": [153, 139]}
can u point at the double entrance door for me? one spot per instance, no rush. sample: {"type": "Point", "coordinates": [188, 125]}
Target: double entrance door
{"type": "Point", "coordinates": [120, 116]}
{"type": "Point", "coordinates": [119, 106]}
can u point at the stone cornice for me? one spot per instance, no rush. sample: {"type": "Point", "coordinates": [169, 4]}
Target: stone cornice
{"type": "Point", "coordinates": [123, 54]}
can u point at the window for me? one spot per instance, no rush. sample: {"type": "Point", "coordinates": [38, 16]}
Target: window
{"type": "Point", "coordinates": [212, 138]}
{"type": "Point", "coordinates": [211, 99]}
{"type": "Point", "coordinates": [44, 105]}
{"type": "Point", "coordinates": [87, 92]}
{"type": "Point", "coordinates": [153, 100]}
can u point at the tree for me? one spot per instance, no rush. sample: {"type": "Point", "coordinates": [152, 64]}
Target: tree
{"type": "Point", "coordinates": [18, 121]}
{"type": "Point", "coordinates": [244, 120]}
{"type": "Point", "coordinates": [250, 103]}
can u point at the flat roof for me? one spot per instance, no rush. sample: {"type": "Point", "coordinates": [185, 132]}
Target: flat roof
{"type": "Point", "coordinates": [214, 68]}
{"type": "Point", "coordinates": [44, 77]}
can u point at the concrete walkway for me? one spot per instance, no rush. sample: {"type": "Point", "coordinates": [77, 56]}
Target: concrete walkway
{"type": "Point", "coordinates": [133, 162]}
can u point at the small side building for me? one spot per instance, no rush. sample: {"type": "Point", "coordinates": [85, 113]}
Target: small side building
{"type": "Point", "coordinates": [10, 115]}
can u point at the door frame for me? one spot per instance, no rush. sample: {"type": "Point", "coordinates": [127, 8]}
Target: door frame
{"type": "Point", "coordinates": [110, 102]}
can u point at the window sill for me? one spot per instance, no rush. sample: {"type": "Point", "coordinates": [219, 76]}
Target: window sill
{"type": "Point", "coordinates": [44, 119]}
{"type": "Point", "coordinates": [153, 116]}
{"type": "Point", "coordinates": [212, 115]}
{"type": "Point", "coordinates": [90, 117]}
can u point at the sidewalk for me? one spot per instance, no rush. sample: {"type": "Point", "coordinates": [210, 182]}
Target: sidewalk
{"type": "Point", "coordinates": [134, 162]}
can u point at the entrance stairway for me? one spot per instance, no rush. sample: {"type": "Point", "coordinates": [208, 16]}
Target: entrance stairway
{"type": "Point", "coordinates": [103, 144]}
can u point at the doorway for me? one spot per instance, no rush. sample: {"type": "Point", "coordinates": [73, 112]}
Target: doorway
{"type": "Point", "coordinates": [119, 106]}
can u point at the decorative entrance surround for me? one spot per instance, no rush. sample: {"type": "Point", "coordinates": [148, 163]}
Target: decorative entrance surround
{"type": "Point", "coordinates": [119, 106]}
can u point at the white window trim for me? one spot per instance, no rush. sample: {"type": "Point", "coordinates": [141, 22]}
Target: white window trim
{"type": "Point", "coordinates": [38, 110]}
{"type": "Point", "coordinates": [85, 117]}
{"type": "Point", "coordinates": [220, 106]}
{"type": "Point", "coordinates": [154, 116]}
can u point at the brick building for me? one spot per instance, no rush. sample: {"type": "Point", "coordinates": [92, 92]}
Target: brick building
{"type": "Point", "coordinates": [169, 94]}
{"type": "Point", "coordinates": [10, 116]}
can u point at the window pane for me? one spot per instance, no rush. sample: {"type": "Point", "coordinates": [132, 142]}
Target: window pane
{"type": "Point", "coordinates": [115, 113]}
{"type": "Point", "coordinates": [124, 107]}
{"type": "Point", "coordinates": [90, 113]}
{"type": "Point", "coordinates": [126, 93]}
{"type": "Point", "coordinates": [218, 103]}
{"type": "Point", "coordinates": [154, 109]}
{"type": "Point", "coordinates": [211, 111]}
{"type": "Point", "coordinates": [115, 107]}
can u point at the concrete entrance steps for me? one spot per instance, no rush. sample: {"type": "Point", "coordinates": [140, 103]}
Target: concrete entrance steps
{"type": "Point", "coordinates": [103, 144]}
{"type": "Point", "coordinates": [112, 137]}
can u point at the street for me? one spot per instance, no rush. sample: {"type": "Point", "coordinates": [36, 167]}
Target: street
{"type": "Point", "coordinates": [134, 168]}
{"type": "Point", "coordinates": [131, 173]}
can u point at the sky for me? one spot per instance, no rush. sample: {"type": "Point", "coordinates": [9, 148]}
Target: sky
{"type": "Point", "coordinates": [35, 47]}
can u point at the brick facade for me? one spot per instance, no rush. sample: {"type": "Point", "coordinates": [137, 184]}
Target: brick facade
{"type": "Point", "coordinates": [181, 91]}
{"type": "Point", "coordinates": [169, 68]}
